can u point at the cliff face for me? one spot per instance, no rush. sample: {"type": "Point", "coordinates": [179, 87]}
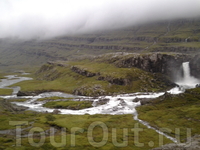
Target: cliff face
{"type": "Point", "coordinates": [162, 63]}
{"type": "Point", "coordinates": [119, 72]}
{"type": "Point", "coordinates": [195, 66]}
{"type": "Point", "coordinates": [155, 62]}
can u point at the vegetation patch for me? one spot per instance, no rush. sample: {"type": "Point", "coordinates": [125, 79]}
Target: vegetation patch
{"type": "Point", "coordinates": [4, 92]}
{"type": "Point", "coordinates": [2, 77]}
{"type": "Point", "coordinates": [52, 98]}
{"type": "Point", "coordinates": [78, 126]}
{"type": "Point", "coordinates": [18, 100]}
{"type": "Point", "coordinates": [174, 112]}
{"type": "Point", "coordinates": [115, 125]}
{"type": "Point", "coordinates": [74, 105]}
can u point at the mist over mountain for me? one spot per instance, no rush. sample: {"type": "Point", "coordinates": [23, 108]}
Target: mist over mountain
{"type": "Point", "coordinates": [178, 36]}
{"type": "Point", "coordinates": [27, 19]}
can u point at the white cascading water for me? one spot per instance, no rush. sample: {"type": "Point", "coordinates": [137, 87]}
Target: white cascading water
{"type": "Point", "coordinates": [186, 70]}
{"type": "Point", "coordinates": [187, 81]}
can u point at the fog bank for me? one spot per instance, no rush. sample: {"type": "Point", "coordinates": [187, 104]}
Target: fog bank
{"type": "Point", "coordinates": [50, 18]}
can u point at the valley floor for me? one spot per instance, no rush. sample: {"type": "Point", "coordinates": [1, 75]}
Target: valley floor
{"type": "Point", "coordinates": [175, 115]}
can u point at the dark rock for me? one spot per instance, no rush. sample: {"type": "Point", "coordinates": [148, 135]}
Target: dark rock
{"type": "Point", "coordinates": [83, 72]}
{"type": "Point", "coordinates": [58, 63]}
{"type": "Point", "coordinates": [195, 66]}
{"type": "Point", "coordinates": [95, 90]}
{"type": "Point", "coordinates": [31, 93]}
{"type": "Point", "coordinates": [13, 107]}
{"type": "Point", "coordinates": [198, 85]}
{"type": "Point", "coordinates": [101, 102]}
{"type": "Point", "coordinates": [122, 102]}
{"type": "Point", "coordinates": [18, 108]}
{"type": "Point", "coordinates": [20, 93]}
{"type": "Point", "coordinates": [143, 101]}
{"type": "Point", "coordinates": [117, 81]}
{"type": "Point", "coordinates": [56, 111]}
{"type": "Point", "coordinates": [166, 96]}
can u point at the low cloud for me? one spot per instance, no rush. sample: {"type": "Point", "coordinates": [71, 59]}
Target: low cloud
{"type": "Point", "coordinates": [50, 18]}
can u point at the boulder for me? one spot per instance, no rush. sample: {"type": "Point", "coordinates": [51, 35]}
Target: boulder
{"type": "Point", "coordinates": [56, 111]}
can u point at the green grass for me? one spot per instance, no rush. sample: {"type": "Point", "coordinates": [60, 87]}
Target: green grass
{"type": "Point", "coordinates": [118, 122]}
{"type": "Point", "coordinates": [2, 77]}
{"type": "Point", "coordinates": [174, 112]}
{"type": "Point", "coordinates": [18, 100]}
{"type": "Point", "coordinates": [74, 105]}
{"type": "Point", "coordinates": [3, 74]}
{"type": "Point", "coordinates": [52, 98]}
{"type": "Point", "coordinates": [6, 92]}
{"type": "Point", "coordinates": [6, 116]}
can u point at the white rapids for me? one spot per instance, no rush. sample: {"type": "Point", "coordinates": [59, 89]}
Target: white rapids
{"type": "Point", "coordinates": [114, 105]}
{"type": "Point", "coordinates": [120, 104]}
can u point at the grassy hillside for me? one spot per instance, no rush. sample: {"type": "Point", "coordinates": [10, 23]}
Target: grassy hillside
{"type": "Point", "coordinates": [174, 112]}
{"type": "Point", "coordinates": [93, 78]}
{"type": "Point", "coordinates": [167, 36]}
{"type": "Point", "coordinates": [6, 91]}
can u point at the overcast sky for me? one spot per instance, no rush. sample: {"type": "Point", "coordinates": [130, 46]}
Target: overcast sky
{"type": "Point", "coordinates": [51, 18]}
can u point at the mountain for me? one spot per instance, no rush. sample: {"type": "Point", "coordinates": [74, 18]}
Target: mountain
{"type": "Point", "coordinates": [180, 36]}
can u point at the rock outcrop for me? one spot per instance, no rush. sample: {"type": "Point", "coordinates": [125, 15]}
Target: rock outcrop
{"type": "Point", "coordinates": [110, 79]}
{"type": "Point", "coordinates": [154, 62]}
{"type": "Point", "coordinates": [95, 90]}
{"type": "Point", "coordinates": [83, 72]}
{"type": "Point", "coordinates": [117, 81]}
{"type": "Point", "coordinates": [195, 66]}
{"type": "Point", "coordinates": [31, 93]}
{"type": "Point", "coordinates": [56, 111]}
{"type": "Point", "coordinates": [58, 63]}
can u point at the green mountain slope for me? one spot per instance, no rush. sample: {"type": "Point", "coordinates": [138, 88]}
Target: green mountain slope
{"type": "Point", "coordinates": [105, 75]}
{"type": "Point", "coordinates": [169, 36]}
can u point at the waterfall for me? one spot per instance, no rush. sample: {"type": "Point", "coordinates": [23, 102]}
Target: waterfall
{"type": "Point", "coordinates": [187, 81]}
{"type": "Point", "coordinates": [186, 72]}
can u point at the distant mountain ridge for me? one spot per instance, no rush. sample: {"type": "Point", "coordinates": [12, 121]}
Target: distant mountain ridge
{"type": "Point", "coordinates": [182, 36]}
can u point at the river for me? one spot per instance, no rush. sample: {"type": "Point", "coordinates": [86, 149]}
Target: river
{"type": "Point", "coordinates": [115, 105]}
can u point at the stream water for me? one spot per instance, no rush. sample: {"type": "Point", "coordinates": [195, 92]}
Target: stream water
{"type": "Point", "coordinates": [120, 104]}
